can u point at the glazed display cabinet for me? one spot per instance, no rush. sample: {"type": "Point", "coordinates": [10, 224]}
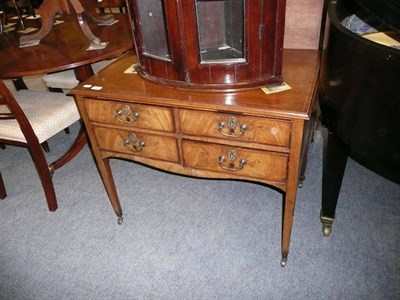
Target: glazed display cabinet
{"type": "Point", "coordinates": [209, 44]}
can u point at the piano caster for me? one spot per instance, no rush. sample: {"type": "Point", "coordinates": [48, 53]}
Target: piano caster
{"type": "Point", "coordinates": [326, 225]}
{"type": "Point", "coordinates": [283, 261]}
{"type": "Point", "coordinates": [120, 220]}
{"type": "Point", "coordinates": [326, 229]}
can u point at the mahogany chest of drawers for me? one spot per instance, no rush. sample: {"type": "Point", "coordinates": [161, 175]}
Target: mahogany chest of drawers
{"type": "Point", "coordinates": [245, 135]}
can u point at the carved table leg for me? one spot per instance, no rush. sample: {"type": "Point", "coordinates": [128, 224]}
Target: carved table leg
{"type": "Point", "coordinates": [80, 12]}
{"type": "Point", "coordinates": [334, 164]}
{"type": "Point", "coordinates": [91, 13]}
{"type": "Point", "coordinates": [48, 10]}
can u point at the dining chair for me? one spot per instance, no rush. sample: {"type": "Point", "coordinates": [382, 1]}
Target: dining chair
{"type": "Point", "coordinates": [27, 118]}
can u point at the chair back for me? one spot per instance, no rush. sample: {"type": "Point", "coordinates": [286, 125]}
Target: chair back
{"type": "Point", "coordinates": [10, 109]}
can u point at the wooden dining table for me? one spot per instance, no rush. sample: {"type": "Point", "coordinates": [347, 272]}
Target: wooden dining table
{"type": "Point", "coordinates": [65, 47]}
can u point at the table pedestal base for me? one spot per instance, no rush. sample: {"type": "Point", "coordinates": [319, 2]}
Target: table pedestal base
{"type": "Point", "coordinates": [48, 11]}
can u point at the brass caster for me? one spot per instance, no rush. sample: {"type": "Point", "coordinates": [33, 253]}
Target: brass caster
{"type": "Point", "coordinates": [326, 224]}
{"type": "Point", "coordinates": [326, 229]}
{"type": "Point", "coordinates": [120, 220]}
{"type": "Point", "coordinates": [283, 262]}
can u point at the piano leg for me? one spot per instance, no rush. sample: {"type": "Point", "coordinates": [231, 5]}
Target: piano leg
{"type": "Point", "coordinates": [335, 156]}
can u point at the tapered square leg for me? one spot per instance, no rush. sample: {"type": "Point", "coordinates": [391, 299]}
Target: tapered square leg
{"type": "Point", "coordinates": [335, 156]}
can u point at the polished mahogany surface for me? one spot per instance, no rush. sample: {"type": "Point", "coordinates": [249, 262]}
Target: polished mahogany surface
{"type": "Point", "coordinates": [360, 106]}
{"type": "Point", "coordinates": [219, 45]}
{"type": "Point", "coordinates": [65, 47]}
{"type": "Point", "coordinates": [299, 68]}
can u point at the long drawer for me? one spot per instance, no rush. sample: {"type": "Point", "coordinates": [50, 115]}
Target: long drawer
{"type": "Point", "coordinates": [235, 161]}
{"type": "Point", "coordinates": [137, 143]}
{"type": "Point", "coordinates": [130, 115]}
{"type": "Point", "coordinates": [237, 127]}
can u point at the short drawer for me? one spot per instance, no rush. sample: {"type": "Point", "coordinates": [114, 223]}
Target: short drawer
{"type": "Point", "coordinates": [130, 114]}
{"type": "Point", "coordinates": [235, 161]}
{"type": "Point", "coordinates": [237, 127]}
{"type": "Point", "coordinates": [136, 143]}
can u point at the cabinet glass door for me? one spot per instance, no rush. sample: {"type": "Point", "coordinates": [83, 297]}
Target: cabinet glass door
{"type": "Point", "coordinates": [151, 16]}
{"type": "Point", "coordinates": [220, 28]}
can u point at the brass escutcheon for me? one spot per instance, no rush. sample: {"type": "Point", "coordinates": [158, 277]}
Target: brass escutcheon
{"type": "Point", "coordinates": [132, 144]}
{"type": "Point", "coordinates": [228, 128]}
{"type": "Point", "coordinates": [126, 115]}
{"type": "Point", "coordinates": [230, 159]}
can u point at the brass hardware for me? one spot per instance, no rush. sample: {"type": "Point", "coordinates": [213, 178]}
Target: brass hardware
{"type": "Point", "coordinates": [132, 144]}
{"type": "Point", "coordinates": [231, 166]}
{"type": "Point", "coordinates": [283, 261]}
{"type": "Point", "coordinates": [228, 129]}
{"type": "Point", "coordinates": [51, 169]}
{"type": "Point", "coordinates": [126, 115]}
{"type": "Point", "coordinates": [326, 224]}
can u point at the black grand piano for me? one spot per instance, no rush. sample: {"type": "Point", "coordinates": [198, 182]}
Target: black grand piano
{"type": "Point", "coordinates": [359, 93]}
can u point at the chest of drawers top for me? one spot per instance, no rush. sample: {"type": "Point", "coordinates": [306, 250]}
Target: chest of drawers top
{"type": "Point", "coordinates": [300, 67]}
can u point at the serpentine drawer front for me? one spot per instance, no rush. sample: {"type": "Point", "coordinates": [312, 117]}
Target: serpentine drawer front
{"type": "Point", "coordinates": [233, 126]}
{"type": "Point", "coordinates": [244, 135]}
{"type": "Point", "coordinates": [235, 160]}
{"type": "Point", "coordinates": [130, 115]}
{"type": "Point", "coordinates": [137, 143]}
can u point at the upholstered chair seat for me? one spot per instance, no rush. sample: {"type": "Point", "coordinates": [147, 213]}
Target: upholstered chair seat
{"type": "Point", "coordinates": [29, 118]}
{"type": "Point", "coordinates": [48, 114]}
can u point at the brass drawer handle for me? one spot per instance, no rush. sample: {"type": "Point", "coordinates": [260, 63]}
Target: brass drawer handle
{"type": "Point", "coordinates": [231, 162]}
{"type": "Point", "coordinates": [132, 144]}
{"type": "Point", "coordinates": [126, 115]}
{"type": "Point", "coordinates": [228, 129]}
